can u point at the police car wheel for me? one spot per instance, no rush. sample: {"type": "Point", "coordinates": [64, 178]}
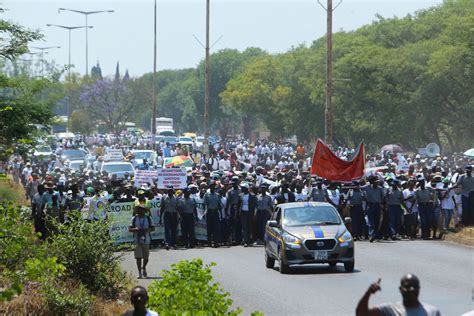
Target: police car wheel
{"type": "Point", "coordinates": [269, 262]}
{"type": "Point", "coordinates": [283, 267]}
{"type": "Point", "coordinates": [349, 266]}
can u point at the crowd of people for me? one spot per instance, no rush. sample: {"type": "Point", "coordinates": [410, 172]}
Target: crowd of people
{"type": "Point", "coordinates": [237, 186]}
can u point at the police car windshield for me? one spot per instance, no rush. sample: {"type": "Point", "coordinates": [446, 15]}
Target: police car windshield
{"type": "Point", "coordinates": [313, 215]}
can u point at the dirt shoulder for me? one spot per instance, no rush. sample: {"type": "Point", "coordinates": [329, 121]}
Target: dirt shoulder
{"type": "Point", "coordinates": [464, 236]}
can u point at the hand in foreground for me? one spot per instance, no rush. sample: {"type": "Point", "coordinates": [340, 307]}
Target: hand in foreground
{"type": "Point", "coordinates": [375, 287]}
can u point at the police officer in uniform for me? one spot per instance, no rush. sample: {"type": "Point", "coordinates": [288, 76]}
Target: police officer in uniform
{"type": "Point", "coordinates": [264, 211]}
{"type": "Point", "coordinates": [212, 200]}
{"type": "Point", "coordinates": [187, 209]}
{"type": "Point", "coordinates": [355, 198]}
{"type": "Point", "coordinates": [318, 194]}
{"type": "Point", "coordinates": [394, 198]}
{"type": "Point", "coordinates": [169, 210]}
{"type": "Point", "coordinates": [375, 198]}
{"type": "Point", "coordinates": [425, 199]}
{"type": "Point", "coordinates": [233, 200]}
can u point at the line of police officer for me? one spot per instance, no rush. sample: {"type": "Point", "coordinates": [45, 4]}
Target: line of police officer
{"type": "Point", "coordinates": [233, 217]}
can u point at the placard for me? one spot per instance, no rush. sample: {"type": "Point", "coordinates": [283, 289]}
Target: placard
{"type": "Point", "coordinates": [175, 177]}
{"type": "Point", "coordinates": [145, 177]}
{"type": "Point", "coordinates": [113, 154]}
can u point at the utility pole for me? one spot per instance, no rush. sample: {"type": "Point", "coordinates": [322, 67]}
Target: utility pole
{"type": "Point", "coordinates": [207, 47]}
{"type": "Point", "coordinates": [328, 135]}
{"type": "Point", "coordinates": [153, 122]}
{"type": "Point", "coordinates": [206, 84]}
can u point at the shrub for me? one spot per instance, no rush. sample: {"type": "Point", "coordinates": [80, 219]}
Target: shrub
{"type": "Point", "coordinates": [22, 257]}
{"type": "Point", "coordinates": [11, 192]}
{"type": "Point", "coordinates": [67, 298]}
{"type": "Point", "coordinates": [188, 289]}
{"type": "Point", "coordinates": [88, 254]}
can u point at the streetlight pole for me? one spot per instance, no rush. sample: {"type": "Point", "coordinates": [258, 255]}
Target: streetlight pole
{"type": "Point", "coordinates": [153, 122]}
{"type": "Point", "coordinates": [69, 28]}
{"type": "Point", "coordinates": [42, 49]}
{"type": "Point", "coordinates": [86, 14]}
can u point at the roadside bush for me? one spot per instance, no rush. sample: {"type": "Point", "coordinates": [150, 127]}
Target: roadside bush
{"type": "Point", "coordinates": [188, 289]}
{"type": "Point", "coordinates": [68, 298]}
{"type": "Point", "coordinates": [88, 254]}
{"type": "Point", "coordinates": [11, 192]}
{"type": "Point", "coordinates": [22, 257]}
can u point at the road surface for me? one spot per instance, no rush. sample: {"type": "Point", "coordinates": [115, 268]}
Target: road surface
{"type": "Point", "coordinates": [445, 271]}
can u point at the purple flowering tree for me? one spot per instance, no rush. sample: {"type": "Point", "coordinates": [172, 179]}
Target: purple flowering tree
{"type": "Point", "coordinates": [109, 102]}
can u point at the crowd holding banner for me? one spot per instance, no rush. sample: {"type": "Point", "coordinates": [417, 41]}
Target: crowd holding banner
{"type": "Point", "coordinates": [385, 196]}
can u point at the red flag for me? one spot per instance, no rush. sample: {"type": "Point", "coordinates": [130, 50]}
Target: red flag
{"type": "Point", "coordinates": [327, 165]}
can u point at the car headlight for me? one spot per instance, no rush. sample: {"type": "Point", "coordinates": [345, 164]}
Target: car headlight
{"type": "Point", "coordinates": [291, 241]}
{"type": "Point", "coordinates": [345, 237]}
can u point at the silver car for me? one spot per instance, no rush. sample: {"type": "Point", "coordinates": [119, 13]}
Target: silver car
{"type": "Point", "coordinates": [308, 233]}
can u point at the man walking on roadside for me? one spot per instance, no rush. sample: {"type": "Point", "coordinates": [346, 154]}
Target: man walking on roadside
{"type": "Point", "coordinates": [410, 290]}
{"type": "Point", "coordinates": [141, 225]}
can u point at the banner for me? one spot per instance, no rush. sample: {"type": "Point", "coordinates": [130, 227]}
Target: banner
{"type": "Point", "coordinates": [145, 177]}
{"type": "Point", "coordinates": [120, 215]}
{"type": "Point", "coordinates": [327, 165]}
{"type": "Point", "coordinates": [175, 177]}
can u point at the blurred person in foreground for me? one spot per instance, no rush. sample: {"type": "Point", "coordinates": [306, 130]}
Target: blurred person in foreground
{"type": "Point", "coordinates": [411, 306]}
{"type": "Point", "coordinates": [139, 298]}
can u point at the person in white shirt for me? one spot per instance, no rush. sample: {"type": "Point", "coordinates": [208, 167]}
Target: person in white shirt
{"type": "Point", "coordinates": [447, 204]}
{"type": "Point", "coordinates": [253, 159]}
{"type": "Point", "coordinates": [213, 162]}
{"type": "Point", "coordinates": [224, 163]}
{"type": "Point", "coordinates": [411, 218]}
{"type": "Point", "coordinates": [300, 196]}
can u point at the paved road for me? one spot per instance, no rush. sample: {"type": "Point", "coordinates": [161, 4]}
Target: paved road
{"type": "Point", "coordinates": [445, 271]}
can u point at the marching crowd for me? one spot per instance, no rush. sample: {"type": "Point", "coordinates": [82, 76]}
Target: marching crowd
{"type": "Point", "coordinates": [236, 188]}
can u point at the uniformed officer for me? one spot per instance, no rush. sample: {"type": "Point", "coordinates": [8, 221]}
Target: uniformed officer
{"type": "Point", "coordinates": [394, 198]}
{"type": "Point", "coordinates": [264, 211]}
{"type": "Point", "coordinates": [212, 200]}
{"type": "Point", "coordinates": [355, 198]}
{"type": "Point", "coordinates": [169, 209]}
{"type": "Point", "coordinates": [425, 198]}
{"type": "Point", "coordinates": [375, 198]}
{"type": "Point", "coordinates": [233, 200]}
{"type": "Point", "coordinates": [318, 194]}
{"type": "Point", "coordinates": [187, 209]}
